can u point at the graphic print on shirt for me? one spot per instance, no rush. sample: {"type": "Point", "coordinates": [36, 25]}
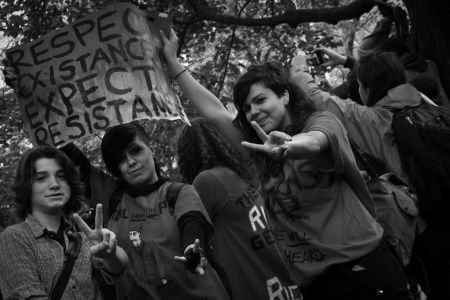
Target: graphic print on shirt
{"type": "Point", "coordinates": [135, 238]}
{"type": "Point", "coordinates": [277, 291]}
{"type": "Point", "coordinates": [151, 212]}
{"type": "Point", "coordinates": [286, 198]}
{"type": "Point", "coordinates": [257, 219]}
{"type": "Point", "coordinates": [264, 237]}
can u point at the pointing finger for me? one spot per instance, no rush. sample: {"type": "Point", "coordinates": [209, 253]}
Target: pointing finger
{"type": "Point", "coordinates": [82, 225]}
{"type": "Point", "coordinates": [180, 258]}
{"type": "Point", "coordinates": [196, 246]}
{"type": "Point", "coordinates": [98, 217]}
{"type": "Point", "coordinates": [252, 146]}
{"type": "Point", "coordinates": [259, 131]}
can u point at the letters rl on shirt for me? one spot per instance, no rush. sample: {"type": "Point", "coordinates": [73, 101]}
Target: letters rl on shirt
{"type": "Point", "coordinates": [277, 291]}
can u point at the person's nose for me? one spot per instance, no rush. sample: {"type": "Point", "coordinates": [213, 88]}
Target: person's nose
{"type": "Point", "coordinates": [130, 160]}
{"type": "Point", "coordinates": [254, 112]}
{"type": "Point", "coordinates": [54, 183]}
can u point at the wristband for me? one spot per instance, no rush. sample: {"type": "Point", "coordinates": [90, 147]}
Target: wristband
{"type": "Point", "coordinates": [176, 76]}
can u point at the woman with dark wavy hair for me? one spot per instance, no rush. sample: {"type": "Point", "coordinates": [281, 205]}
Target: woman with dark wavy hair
{"type": "Point", "coordinates": [319, 203]}
{"type": "Point", "coordinates": [227, 184]}
{"type": "Point", "coordinates": [33, 252]}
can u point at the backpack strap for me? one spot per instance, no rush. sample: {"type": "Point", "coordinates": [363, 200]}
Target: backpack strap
{"type": "Point", "coordinates": [360, 156]}
{"type": "Point", "coordinates": [172, 193]}
{"type": "Point", "coordinates": [71, 257]}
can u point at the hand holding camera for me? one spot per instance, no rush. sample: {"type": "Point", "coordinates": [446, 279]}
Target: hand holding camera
{"type": "Point", "coordinates": [314, 59]}
{"type": "Point", "coordinates": [328, 57]}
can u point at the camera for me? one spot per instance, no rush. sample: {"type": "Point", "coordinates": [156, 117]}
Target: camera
{"type": "Point", "coordinates": [314, 59]}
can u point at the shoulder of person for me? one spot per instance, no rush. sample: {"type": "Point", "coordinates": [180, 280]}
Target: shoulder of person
{"type": "Point", "coordinates": [15, 232]}
{"type": "Point", "coordinates": [321, 117]}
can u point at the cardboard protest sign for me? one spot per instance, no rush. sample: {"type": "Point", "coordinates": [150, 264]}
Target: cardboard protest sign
{"type": "Point", "coordinates": [103, 70]}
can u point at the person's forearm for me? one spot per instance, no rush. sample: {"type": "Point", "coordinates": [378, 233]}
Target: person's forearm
{"type": "Point", "coordinates": [206, 103]}
{"type": "Point", "coordinates": [306, 145]}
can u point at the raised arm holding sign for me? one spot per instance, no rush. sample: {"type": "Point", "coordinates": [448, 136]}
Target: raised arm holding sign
{"type": "Point", "coordinates": [103, 70]}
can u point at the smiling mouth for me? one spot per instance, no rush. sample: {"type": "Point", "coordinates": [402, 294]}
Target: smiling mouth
{"type": "Point", "coordinates": [261, 121]}
{"type": "Point", "coordinates": [134, 172]}
{"type": "Point", "coordinates": [55, 195]}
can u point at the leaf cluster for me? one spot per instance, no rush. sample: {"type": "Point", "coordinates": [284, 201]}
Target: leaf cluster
{"type": "Point", "coordinates": [216, 53]}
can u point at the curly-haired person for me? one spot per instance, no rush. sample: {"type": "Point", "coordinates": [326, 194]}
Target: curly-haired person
{"type": "Point", "coordinates": [244, 243]}
{"type": "Point", "coordinates": [319, 202]}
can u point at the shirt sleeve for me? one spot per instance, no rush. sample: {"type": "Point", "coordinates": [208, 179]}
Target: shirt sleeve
{"type": "Point", "coordinates": [189, 200]}
{"type": "Point", "coordinates": [336, 134]}
{"type": "Point", "coordinates": [212, 193]}
{"type": "Point", "coordinates": [18, 270]}
{"type": "Point", "coordinates": [362, 123]}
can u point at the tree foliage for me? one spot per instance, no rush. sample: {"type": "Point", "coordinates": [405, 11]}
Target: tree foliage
{"type": "Point", "coordinates": [218, 40]}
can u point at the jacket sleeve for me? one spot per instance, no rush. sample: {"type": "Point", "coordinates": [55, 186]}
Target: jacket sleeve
{"type": "Point", "coordinates": [368, 127]}
{"type": "Point", "coordinates": [18, 271]}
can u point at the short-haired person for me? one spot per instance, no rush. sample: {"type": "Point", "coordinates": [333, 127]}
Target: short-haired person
{"type": "Point", "coordinates": [311, 183]}
{"type": "Point", "coordinates": [153, 231]}
{"type": "Point", "coordinates": [229, 188]}
{"type": "Point", "coordinates": [33, 252]}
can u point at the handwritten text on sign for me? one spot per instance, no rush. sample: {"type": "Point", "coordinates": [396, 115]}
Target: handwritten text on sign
{"type": "Point", "coordinates": [100, 71]}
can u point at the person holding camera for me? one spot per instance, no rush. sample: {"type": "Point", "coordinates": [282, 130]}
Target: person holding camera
{"type": "Point", "coordinates": [331, 243]}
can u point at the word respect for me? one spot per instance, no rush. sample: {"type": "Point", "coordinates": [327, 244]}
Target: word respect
{"type": "Point", "coordinates": [100, 71]}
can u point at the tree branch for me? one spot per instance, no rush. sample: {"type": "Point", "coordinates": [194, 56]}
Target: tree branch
{"type": "Point", "coordinates": [233, 34]}
{"type": "Point", "coordinates": [292, 17]}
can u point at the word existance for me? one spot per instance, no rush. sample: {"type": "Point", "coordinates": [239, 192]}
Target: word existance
{"type": "Point", "coordinates": [103, 70]}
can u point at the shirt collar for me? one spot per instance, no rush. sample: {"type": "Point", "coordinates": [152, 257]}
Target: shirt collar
{"type": "Point", "coordinates": [39, 230]}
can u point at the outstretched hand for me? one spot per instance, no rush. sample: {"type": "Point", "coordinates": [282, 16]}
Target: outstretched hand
{"type": "Point", "coordinates": [103, 241]}
{"type": "Point", "coordinates": [273, 144]}
{"type": "Point", "coordinates": [193, 258]}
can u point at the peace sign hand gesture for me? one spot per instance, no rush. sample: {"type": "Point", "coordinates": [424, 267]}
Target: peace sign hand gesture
{"type": "Point", "coordinates": [274, 143]}
{"type": "Point", "coordinates": [103, 241]}
{"type": "Point", "coordinates": [193, 258]}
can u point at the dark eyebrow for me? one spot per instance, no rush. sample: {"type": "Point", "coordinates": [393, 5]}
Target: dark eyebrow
{"type": "Point", "coordinates": [256, 96]}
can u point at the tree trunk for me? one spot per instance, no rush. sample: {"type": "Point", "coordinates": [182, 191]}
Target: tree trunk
{"type": "Point", "coordinates": [430, 30]}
